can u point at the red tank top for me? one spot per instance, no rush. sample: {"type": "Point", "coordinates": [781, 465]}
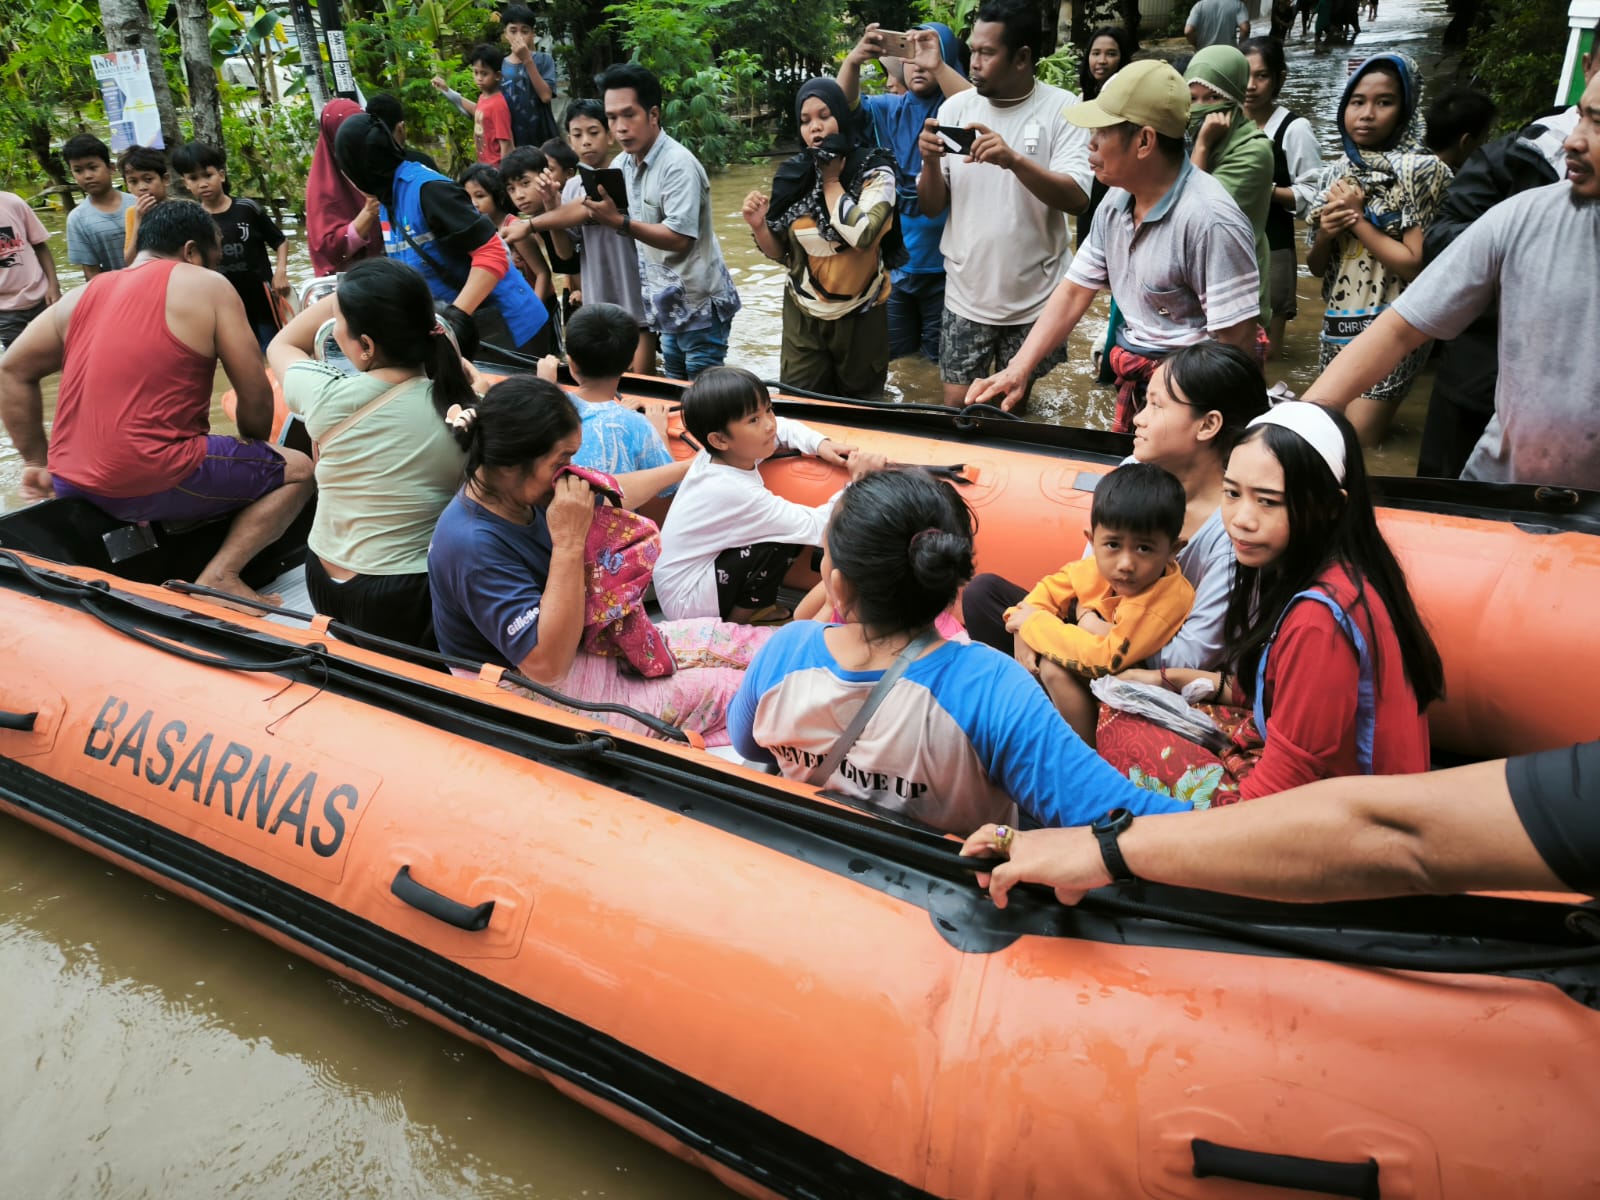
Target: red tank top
{"type": "Point", "coordinates": [135, 402]}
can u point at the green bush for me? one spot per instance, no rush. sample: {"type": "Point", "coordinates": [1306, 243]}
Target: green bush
{"type": "Point", "coordinates": [1515, 55]}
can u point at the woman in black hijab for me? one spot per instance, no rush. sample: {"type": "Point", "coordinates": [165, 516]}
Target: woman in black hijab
{"type": "Point", "coordinates": [830, 221]}
{"type": "Point", "coordinates": [430, 223]}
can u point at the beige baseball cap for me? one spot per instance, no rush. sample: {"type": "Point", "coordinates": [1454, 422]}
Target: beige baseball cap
{"type": "Point", "coordinates": [1149, 92]}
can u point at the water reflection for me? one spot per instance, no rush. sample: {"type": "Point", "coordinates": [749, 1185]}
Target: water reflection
{"type": "Point", "coordinates": [152, 1049]}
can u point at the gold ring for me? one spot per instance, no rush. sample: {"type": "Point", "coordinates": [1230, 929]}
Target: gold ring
{"type": "Point", "coordinates": [1004, 835]}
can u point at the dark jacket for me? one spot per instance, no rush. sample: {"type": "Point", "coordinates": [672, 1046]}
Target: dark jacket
{"type": "Point", "coordinates": [1496, 171]}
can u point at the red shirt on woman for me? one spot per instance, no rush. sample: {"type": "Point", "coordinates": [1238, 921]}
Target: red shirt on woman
{"type": "Point", "coordinates": [1311, 692]}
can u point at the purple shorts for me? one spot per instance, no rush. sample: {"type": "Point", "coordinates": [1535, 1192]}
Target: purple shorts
{"type": "Point", "coordinates": [232, 475]}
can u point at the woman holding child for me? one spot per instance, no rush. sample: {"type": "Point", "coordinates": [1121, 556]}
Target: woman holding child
{"type": "Point", "coordinates": [831, 222]}
{"type": "Point", "coordinates": [1328, 670]}
{"type": "Point", "coordinates": [507, 570]}
{"type": "Point", "coordinates": [967, 737]}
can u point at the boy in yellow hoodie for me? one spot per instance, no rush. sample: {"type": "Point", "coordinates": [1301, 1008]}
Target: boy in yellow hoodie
{"type": "Point", "coordinates": [1105, 613]}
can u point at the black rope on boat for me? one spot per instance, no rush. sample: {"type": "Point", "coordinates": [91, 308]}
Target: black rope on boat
{"type": "Point", "coordinates": [790, 391]}
{"type": "Point", "coordinates": [1311, 946]}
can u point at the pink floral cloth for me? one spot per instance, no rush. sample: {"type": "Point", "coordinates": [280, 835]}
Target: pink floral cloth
{"type": "Point", "coordinates": [619, 557]}
{"type": "Point", "coordinates": [712, 656]}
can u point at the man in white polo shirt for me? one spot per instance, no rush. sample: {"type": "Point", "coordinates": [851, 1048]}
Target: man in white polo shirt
{"type": "Point", "coordinates": [1176, 251]}
{"type": "Point", "coordinates": [1005, 244]}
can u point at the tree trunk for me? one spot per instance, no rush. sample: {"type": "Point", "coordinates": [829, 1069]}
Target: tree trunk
{"type": "Point", "coordinates": [43, 146]}
{"type": "Point", "coordinates": [127, 26]}
{"type": "Point", "coordinates": [205, 102]}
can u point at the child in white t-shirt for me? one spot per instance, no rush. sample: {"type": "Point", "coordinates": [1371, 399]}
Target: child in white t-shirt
{"type": "Point", "coordinates": [727, 541]}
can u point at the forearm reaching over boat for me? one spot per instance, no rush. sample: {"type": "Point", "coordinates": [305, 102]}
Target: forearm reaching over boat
{"type": "Point", "coordinates": [1338, 839]}
{"type": "Point", "coordinates": [1365, 361]}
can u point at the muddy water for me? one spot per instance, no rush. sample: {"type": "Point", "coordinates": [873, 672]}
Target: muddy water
{"type": "Point", "coordinates": [152, 1049]}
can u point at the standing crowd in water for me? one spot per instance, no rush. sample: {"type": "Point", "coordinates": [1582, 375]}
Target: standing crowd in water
{"type": "Point", "coordinates": [1234, 558]}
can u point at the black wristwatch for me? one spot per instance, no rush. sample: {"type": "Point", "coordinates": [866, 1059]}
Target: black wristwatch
{"type": "Point", "coordinates": [1106, 831]}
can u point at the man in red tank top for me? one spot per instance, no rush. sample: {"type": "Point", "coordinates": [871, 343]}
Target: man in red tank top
{"type": "Point", "coordinates": [138, 351]}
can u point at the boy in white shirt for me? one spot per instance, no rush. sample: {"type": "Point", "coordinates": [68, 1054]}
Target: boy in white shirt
{"type": "Point", "coordinates": [727, 541]}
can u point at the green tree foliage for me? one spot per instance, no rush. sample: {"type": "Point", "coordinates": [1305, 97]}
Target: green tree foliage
{"type": "Point", "coordinates": [704, 74]}
{"type": "Point", "coordinates": [1515, 54]}
{"type": "Point", "coordinates": [47, 90]}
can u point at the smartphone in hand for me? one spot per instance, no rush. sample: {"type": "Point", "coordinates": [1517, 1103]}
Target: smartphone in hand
{"type": "Point", "coordinates": [896, 44]}
{"type": "Point", "coordinates": [959, 139]}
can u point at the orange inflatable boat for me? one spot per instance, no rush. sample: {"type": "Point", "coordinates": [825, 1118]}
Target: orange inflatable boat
{"type": "Point", "coordinates": [803, 998]}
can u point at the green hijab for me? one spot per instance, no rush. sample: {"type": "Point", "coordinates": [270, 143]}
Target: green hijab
{"type": "Point", "coordinates": [1227, 73]}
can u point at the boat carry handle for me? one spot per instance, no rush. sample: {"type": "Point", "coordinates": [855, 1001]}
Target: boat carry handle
{"type": "Point", "coordinates": [22, 721]}
{"type": "Point", "coordinates": [1358, 1180]}
{"type": "Point", "coordinates": [435, 904]}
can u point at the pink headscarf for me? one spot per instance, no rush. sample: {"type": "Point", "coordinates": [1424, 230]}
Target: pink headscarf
{"type": "Point", "coordinates": [332, 201]}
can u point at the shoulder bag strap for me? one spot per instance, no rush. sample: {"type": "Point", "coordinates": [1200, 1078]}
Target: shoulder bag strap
{"type": "Point", "coordinates": [823, 771]}
{"type": "Point", "coordinates": [366, 410]}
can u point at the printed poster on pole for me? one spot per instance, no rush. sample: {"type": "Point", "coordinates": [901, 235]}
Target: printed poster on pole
{"type": "Point", "coordinates": [124, 80]}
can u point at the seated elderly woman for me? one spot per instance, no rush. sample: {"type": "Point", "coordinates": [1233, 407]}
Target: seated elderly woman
{"type": "Point", "coordinates": [507, 570]}
{"type": "Point", "coordinates": [969, 736]}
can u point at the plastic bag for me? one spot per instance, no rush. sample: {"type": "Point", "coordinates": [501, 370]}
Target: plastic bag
{"type": "Point", "coordinates": [1170, 710]}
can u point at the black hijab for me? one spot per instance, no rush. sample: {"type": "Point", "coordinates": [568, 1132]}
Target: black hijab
{"type": "Point", "coordinates": [797, 185]}
{"type": "Point", "coordinates": [368, 155]}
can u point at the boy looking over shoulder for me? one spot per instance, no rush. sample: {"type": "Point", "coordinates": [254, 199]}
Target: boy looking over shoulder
{"type": "Point", "coordinates": [1102, 614]}
{"type": "Point", "coordinates": [617, 439]}
{"type": "Point", "coordinates": [95, 229]}
{"type": "Point", "coordinates": [727, 541]}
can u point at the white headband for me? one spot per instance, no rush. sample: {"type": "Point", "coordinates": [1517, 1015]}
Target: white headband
{"type": "Point", "coordinates": [1315, 427]}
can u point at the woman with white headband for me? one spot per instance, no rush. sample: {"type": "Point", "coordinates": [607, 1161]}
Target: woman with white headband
{"type": "Point", "coordinates": [1328, 670]}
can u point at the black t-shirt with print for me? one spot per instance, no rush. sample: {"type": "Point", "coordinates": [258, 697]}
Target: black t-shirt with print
{"type": "Point", "coordinates": [248, 239]}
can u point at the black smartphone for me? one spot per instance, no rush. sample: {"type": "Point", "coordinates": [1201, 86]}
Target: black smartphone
{"type": "Point", "coordinates": [961, 139]}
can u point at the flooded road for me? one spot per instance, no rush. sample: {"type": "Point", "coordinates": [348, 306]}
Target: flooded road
{"type": "Point", "coordinates": [152, 1049]}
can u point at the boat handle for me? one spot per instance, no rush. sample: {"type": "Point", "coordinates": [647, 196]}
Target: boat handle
{"type": "Point", "coordinates": [435, 904]}
{"type": "Point", "coordinates": [1358, 1180]}
{"type": "Point", "coordinates": [22, 721]}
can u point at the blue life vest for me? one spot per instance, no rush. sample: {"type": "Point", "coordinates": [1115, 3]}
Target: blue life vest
{"type": "Point", "coordinates": [519, 304]}
{"type": "Point", "coordinates": [1366, 699]}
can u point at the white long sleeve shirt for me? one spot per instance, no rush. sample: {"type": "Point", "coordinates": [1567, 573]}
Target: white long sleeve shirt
{"type": "Point", "coordinates": [718, 508]}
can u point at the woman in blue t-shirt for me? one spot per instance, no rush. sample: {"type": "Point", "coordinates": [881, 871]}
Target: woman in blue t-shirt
{"type": "Point", "coordinates": [969, 736]}
{"type": "Point", "coordinates": [507, 570]}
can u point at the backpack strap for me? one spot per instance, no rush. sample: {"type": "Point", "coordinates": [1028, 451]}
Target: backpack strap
{"type": "Point", "coordinates": [823, 771]}
{"type": "Point", "coordinates": [1290, 117]}
{"type": "Point", "coordinates": [1366, 701]}
{"type": "Point", "coordinates": [362, 413]}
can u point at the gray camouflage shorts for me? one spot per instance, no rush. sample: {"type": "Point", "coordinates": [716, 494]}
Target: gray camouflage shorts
{"type": "Point", "coordinates": [970, 350]}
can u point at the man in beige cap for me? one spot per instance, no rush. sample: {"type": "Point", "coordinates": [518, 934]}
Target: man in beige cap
{"type": "Point", "coordinates": [1176, 251]}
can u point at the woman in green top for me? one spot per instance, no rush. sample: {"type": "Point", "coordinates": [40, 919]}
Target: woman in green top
{"type": "Point", "coordinates": [1228, 145]}
{"type": "Point", "coordinates": [388, 465]}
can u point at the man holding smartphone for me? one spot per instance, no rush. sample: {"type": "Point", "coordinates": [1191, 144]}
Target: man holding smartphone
{"type": "Point", "coordinates": [932, 75]}
{"type": "Point", "coordinates": [1006, 242]}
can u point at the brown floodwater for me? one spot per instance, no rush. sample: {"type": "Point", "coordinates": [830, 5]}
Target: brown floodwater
{"type": "Point", "coordinates": [152, 1049]}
